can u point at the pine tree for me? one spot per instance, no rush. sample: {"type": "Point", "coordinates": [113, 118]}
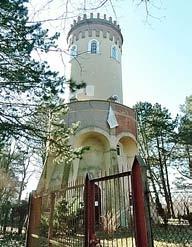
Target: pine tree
{"type": "Point", "coordinates": [185, 137]}
{"type": "Point", "coordinates": [156, 143]}
{"type": "Point", "coordinates": [24, 81]}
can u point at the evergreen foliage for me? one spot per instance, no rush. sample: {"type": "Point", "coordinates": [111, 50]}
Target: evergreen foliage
{"type": "Point", "coordinates": [31, 110]}
{"type": "Point", "coordinates": [165, 145]}
{"type": "Point", "coordinates": [183, 153]}
{"type": "Point", "coordinates": [23, 79]}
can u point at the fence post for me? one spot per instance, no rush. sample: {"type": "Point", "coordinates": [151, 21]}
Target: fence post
{"type": "Point", "coordinates": [50, 230]}
{"type": "Point", "coordinates": [146, 201]}
{"type": "Point", "coordinates": [34, 218]}
{"type": "Point", "coordinates": [89, 198]}
{"type": "Point", "coordinates": [140, 221]}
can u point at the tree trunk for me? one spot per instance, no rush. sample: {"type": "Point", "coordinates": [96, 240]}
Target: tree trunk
{"type": "Point", "coordinates": [189, 160]}
{"type": "Point", "coordinates": [163, 180]}
{"type": "Point", "coordinates": [167, 178]}
{"type": "Point", "coordinates": [169, 192]}
{"type": "Point", "coordinates": [20, 190]}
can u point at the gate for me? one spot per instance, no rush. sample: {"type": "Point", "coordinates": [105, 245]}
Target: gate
{"type": "Point", "coordinates": [107, 211]}
{"type": "Point", "coordinates": [109, 218]}
{"type": "Point", "coordinates": [115, 210]}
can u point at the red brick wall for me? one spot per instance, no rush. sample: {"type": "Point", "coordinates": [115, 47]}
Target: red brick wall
{"type": "Point", "coordinates": [126, 119]}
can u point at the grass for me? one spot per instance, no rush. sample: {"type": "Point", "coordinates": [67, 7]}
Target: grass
{"type": "Point", "coordinates": [165, 244]}
{"type": "Point", "coordinates": [172, 236]}
{"type": "Point", "coordinates": [12, 240]}
{"type": "Point", "coordinates": [164, 236]}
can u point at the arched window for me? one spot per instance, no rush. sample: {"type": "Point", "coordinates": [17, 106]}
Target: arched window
{"type": "Point", "coordinates": [73, 51]}
{"type": "Point", "coordinates": [93, 46]}
{"type": "Point", "coordinates": [114, 52]}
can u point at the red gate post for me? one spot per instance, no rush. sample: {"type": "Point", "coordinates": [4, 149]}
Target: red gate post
{"type": "Point", "coordinates": [89, 198]}
{"type": "Point", "coordinates": [140, 221]}
{"type": "Point", "coordinates": [34, 217]}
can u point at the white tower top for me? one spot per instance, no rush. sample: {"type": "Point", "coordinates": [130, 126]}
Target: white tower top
{"type": "Point", "coordinates": [95, 47]}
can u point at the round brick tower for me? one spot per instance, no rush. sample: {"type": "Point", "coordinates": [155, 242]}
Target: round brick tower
{"type": "Point", "coordinates": [107, 126]}
{"type": "Point", "coordinates": [95, 46]}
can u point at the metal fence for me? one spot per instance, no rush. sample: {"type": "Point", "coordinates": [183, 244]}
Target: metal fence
{"type": "Point", "coordinates": [175, 229]}
{"type": "Point", "coordinates": [111, 212]}
{"type": "Point", "coordinates": [107, 211]}
{"type": "Point", "coordinates": [12, 217]}
{"type": "Point", "coordinates": [57, 218]}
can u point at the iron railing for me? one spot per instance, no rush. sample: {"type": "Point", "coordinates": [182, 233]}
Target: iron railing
{"type": "Point", "coordinates": [172, 229]}
{"type": "Point", "coordinates": [114, 210]}
{"type": "Point", "coordinates": [107, 211]}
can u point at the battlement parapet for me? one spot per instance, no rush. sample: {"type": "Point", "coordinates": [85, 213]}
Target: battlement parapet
{"type": "Point", "coordinates": [97, 24]}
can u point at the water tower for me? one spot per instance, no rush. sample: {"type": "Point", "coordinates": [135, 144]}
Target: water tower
{"type": "Point", "coordinates": [107, 126]}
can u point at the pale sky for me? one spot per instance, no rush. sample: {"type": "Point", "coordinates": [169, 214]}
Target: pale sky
{"type": "Point", "coordinates": [157, 53]}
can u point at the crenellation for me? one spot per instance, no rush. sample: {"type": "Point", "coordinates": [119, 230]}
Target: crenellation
{"type": "Point", "coordinates": [83, 34]}
{"type": "Point", "coordinates": [108, 35]}
{"type": "Point", "coordinates": [97, 32]}
{"type": "Point", "coordinates": [116, 41]}
{"type": "Point", "coordinates": [89, 32]}
{"type": "Point", "coordinates": [101, 25]}
{"type": "Point", "coordinates": [104, 34]}
{"type": "Point", "coordinates": [93, 33]}
{"type": "Point", "coordinates": [96, 26]}
{"type": "Point", "coordinates": [110, 21]}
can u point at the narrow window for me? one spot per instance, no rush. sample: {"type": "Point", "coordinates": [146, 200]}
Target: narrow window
{"type": "Point", "coordinates": [118, 150]}
{"type": "Point", "coordinates": [114, 53]}
{"type": "Point", "coordinates": [94, 47]}
{"type": "Point", "coordinates": [73, 51]}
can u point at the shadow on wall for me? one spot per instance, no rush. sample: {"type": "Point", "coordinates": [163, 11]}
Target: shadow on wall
{"type": "Point", "coordinates": [97, 157]}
